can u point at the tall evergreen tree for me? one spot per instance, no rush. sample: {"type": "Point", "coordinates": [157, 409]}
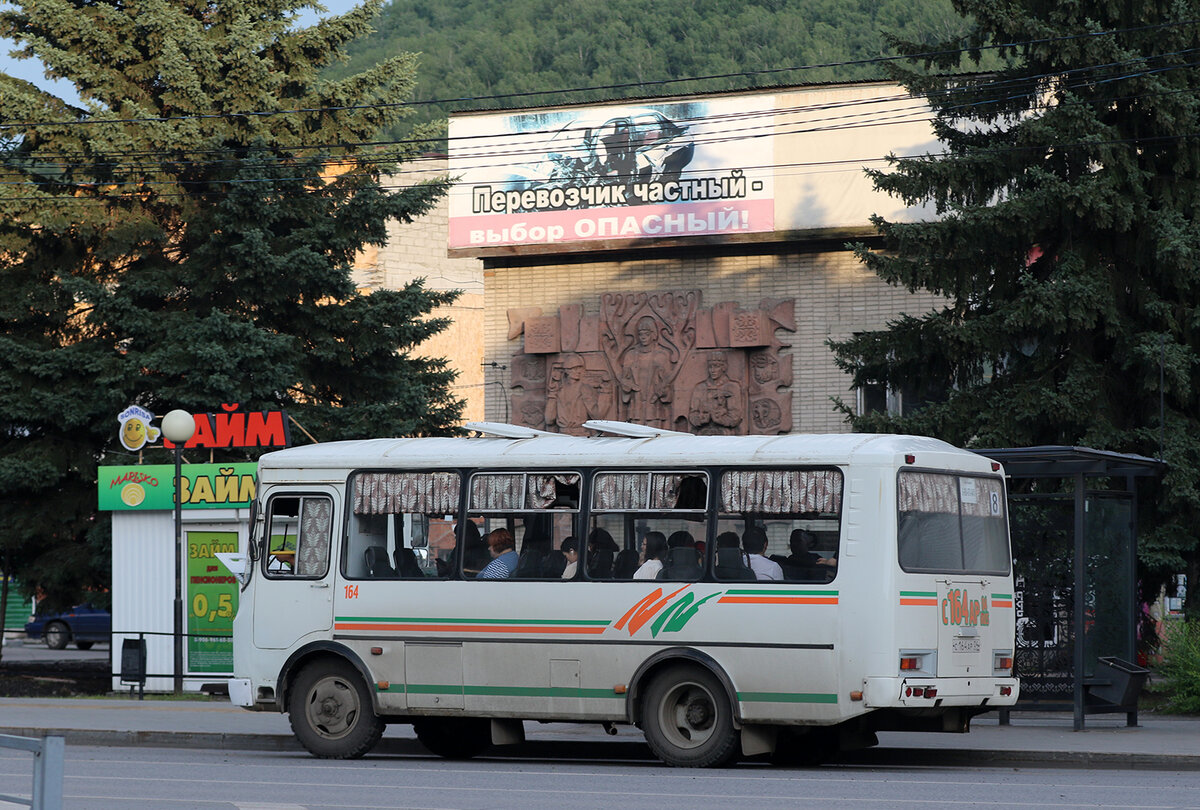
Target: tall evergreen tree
{"type": "Point", "coordinates": [1066, 247]}
{"type": "Point", "coordinates": [187, 241]}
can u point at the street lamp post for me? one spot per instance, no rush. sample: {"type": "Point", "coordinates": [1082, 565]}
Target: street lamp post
{"type": "Point", "coordinates": [178, 426]}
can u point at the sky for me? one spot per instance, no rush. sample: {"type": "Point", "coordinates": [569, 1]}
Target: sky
{"type": "Point", "coordinates": [32, 70]}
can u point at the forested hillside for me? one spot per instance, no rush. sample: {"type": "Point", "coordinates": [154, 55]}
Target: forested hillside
{"type": "Point", "coordinates": [517, 49]}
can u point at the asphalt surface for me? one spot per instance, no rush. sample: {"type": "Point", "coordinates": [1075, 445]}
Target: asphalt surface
{"type": "Point", "coordinates": [1032, 739]}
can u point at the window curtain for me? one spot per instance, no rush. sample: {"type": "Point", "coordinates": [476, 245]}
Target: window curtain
{"type": "Point", "coordinates": [496, 491]}
{"type": "Point", "coordinates": [412, 493]}
{"type": "Point", "coordinates": [620, 491]}
{"type": "Point", "coordinates": [664, 490]}
{"type": "Point", "coordinates": [977, 495]}
{"type": "Point", "coordinates": [927, 492]}
{"type": "Point", "coordinates": [540, 490]}
{"type": "Point", "coordinates": [312, 552]}
{"type": "Point", "coordinates": [782, 491]}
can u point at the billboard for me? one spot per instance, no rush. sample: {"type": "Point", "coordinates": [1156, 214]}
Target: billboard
{"type": "Point", "coordinates": [752, 166]}
{"type": "Point", "coordinates": [149, 487]}
{"type": "Point", "coordinates": [614, 172]}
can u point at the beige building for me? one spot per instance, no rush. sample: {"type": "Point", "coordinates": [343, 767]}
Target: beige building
{"type": "Point", "coordinates": [675, 262]}
{"type": "Point", "coordinates": [417, 251]}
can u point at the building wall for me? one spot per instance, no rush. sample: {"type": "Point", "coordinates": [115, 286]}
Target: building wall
{"type": "Point", "coordinates": [418, 250]}
{"type": "Point", "coordinates": [835, 296]}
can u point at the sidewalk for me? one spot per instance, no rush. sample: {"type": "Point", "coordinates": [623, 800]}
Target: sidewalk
{"type": "Point", "coordinates": [1032, 740]}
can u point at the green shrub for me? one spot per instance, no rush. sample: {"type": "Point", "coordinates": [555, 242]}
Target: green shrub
{"type": "Point", "coordinates": [1180, 669]}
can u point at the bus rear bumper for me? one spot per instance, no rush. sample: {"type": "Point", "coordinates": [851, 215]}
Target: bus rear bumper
{"type": "Point", "coordinates": [926, 692]}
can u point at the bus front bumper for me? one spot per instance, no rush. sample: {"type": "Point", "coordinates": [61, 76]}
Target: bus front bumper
{"type": "Point", "coordinates": [241, 693]}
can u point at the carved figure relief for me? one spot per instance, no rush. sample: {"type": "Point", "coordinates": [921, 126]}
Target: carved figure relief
{"type": "Point", "coordinates": [716, 408]}
{"type": "Point", "coordinates": [656, 359]}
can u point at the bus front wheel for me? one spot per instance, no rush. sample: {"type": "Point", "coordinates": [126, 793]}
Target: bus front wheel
{"type": "Point", "coordinates": [688, 720]}
{"type": "Point", "coordinates": [454, 737]}
{"type": "Point", "coordinates": [330, 711]}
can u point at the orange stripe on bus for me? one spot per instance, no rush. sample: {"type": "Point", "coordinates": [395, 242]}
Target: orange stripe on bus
{"type": "Point", "coordinates": [1002, 603]}
{"type": "Point", "coordinates": [471, 628]}
{"type": "Point", "coordinates": [779, 600]}
{"type": "Point", "coordinates": [929, 602]}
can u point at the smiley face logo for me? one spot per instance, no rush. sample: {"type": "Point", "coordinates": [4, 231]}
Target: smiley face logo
{"type": "Point", "coordinates": [136, 430]}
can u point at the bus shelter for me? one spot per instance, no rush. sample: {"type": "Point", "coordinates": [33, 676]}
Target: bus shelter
{"type": "Point", "coordinates": [1073, 514]}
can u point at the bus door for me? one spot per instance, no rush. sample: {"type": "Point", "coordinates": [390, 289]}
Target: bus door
{"type": "Point", "coordinates": [295, 595]}
{"type": "Point", "coordinates": [964, 620]}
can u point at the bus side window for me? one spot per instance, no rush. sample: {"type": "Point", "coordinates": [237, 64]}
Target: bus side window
{"type": "Point", "coordinates": [401, 525]}
{"type": "Point", "coordinates": [538, 510]}
{"type": "Point", "coordinates": [298, 536]}
{"type": "Point", "coordinates": [798, 509]}
{"type": "Point", "coordinates": [628, 506]}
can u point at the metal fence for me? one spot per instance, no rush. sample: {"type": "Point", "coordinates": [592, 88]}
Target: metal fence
{"type": "Point", "coordinates": [47, 770]}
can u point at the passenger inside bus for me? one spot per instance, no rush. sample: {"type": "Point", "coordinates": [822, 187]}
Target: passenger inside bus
{"type": "Point", "coordinates": [568, 560]}
{"type": "Point", "coordinates": [504, 555]}
{"type": "Point", "coordinates": [654, 548]}
{"type": "Point", "coordinates": [755, 543]}
{"type": "Point", "coordinates": [600, 553]}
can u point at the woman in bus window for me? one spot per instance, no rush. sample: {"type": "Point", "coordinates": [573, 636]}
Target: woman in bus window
{"type": "Point", "coordinates": [504, 554]}
{"type": "Point", "coordinates": [654, 548]}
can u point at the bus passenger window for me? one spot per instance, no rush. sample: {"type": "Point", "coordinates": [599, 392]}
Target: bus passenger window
{"type": "Point", "coordinates": [798, 512]}
{"type": "Point", "coordinates": [402, 525]}
{"type": "Point", "coordinates": [535, 511]}
{"type": "Point", "coordinates": [648, 525]}
{"type": "Point", "coordinates": [298, 536]}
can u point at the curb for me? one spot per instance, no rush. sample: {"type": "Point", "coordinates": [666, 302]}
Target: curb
{"type": "Point", "coordinates": [999, 758]}
{"type": "Point", "coordinates": [609, 750]}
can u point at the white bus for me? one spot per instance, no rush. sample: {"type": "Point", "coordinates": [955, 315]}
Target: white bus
{"type": "Point", "coordinates": [368, 597]}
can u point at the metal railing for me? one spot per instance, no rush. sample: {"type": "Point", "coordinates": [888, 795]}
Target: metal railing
{"type": "Point", "coordinates": [47, 770]}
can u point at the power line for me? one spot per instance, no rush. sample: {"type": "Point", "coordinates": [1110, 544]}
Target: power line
{"type": "Point", "coordinates": [929, 55]}
{"type": "Point", "coordinates": [531, 149]}
{"type": "Point", "coordinates": [915, 113]}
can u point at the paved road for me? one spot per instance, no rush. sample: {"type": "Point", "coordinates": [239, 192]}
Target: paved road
{"type": "Point", "coordinates": [27, 650]}
{"type": "Point", "coordinates": [1032, 740]}
{"type": "Point", "coordinates": [102, 778]}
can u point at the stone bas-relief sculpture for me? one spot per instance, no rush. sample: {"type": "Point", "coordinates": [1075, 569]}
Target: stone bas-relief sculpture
{"type": "Point", "coordinates": [656, 359]}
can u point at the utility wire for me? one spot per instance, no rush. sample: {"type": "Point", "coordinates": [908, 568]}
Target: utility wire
{"type": "Point", "coordinates": [534, 148]}
{"type": "Point", "coordinates": [929, 55]}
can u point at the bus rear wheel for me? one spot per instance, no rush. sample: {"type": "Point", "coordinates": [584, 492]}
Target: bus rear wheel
{"type": "Point", "coordinates": [454, 737]}
{"type": "Point", "coordinates": [688, 720]}
{"type": "Point", "coordinates": [330, 711]}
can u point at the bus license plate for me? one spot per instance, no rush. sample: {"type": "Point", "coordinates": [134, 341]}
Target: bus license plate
{"type": "Point", "coordinates": [966, 644]}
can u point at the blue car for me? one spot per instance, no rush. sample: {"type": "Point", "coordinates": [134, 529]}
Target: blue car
{"type": "Point", "coordinates": [83, 624]}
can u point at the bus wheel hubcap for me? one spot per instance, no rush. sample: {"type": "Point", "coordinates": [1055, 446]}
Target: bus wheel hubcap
{"type": "Point", "coordinates": [332, 707]}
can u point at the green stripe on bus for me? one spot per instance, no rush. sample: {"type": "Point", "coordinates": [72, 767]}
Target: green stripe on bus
{"type": "Point", "coordinates": [425, 620]}
{"type": "Point", "coordinates": [1002, 596]}
{"type": "Point", "coordinates": [501, 691]}
{"type": "Point", "coordinates": [927, 594]}
{"type": "Point", "coordinates": [776, 592]}
{"type": "Point", "coordinates": [786, 697]}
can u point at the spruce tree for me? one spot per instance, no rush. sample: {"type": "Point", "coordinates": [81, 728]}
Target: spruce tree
{"type": "Point", "coordinates": [186, 240]}
{"type": "Point", "coordinates": [1066, 246]}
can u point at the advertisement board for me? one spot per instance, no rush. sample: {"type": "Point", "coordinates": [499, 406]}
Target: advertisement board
{"type": "Point", "coordinates": [618, 171]}
{"type": "Point", "coordinates": [753, 166]}
{"type": "Point", "coordinates": [146, 487]}
{"type": "Point", "coordinates": [211, 602]}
